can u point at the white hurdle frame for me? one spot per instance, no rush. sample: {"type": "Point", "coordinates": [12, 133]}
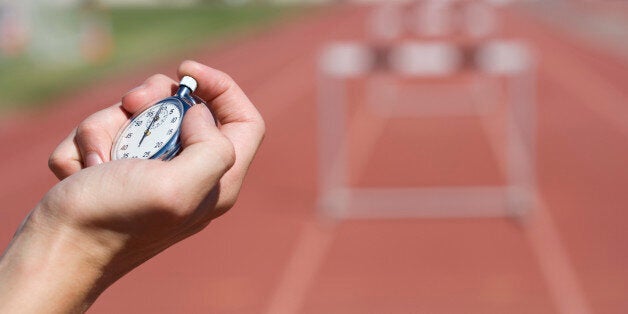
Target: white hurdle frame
{"type": "Point", "coordinates": [336, 199]}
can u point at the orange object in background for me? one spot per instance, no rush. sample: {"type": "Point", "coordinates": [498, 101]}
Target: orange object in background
{"type": "Point", "coordinates": [96, 40]}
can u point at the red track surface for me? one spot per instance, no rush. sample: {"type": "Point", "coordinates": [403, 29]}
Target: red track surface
{"type": "Point", "coordinates": [269, 255]}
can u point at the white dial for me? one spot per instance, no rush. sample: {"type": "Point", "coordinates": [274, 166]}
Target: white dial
{"type": "Point", "coordinates": [148, 132]}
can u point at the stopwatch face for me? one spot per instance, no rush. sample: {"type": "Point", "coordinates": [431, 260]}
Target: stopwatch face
{"type": "Point", "coordinates": [151, 133]}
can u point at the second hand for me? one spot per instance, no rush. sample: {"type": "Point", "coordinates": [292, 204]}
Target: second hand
{"type": "Point", "coordinates": [149, 125]}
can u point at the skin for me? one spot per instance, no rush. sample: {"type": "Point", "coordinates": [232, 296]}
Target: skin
{"type": "Point", "coordinates": [105, 218]}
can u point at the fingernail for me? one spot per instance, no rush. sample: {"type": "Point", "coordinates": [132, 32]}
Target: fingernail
{"type": "Point", "coordinates": [92, 159]}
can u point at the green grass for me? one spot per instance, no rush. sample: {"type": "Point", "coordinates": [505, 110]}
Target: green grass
{"type": "Point", "coordinates": [141, 35]}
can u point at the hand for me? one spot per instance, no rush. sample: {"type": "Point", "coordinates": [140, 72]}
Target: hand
{"type": "Point", "coordinates": [105, 218]}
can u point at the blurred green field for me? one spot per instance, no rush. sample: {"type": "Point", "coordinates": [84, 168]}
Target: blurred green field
{"type": "Point", "coordinates": [141, 35]}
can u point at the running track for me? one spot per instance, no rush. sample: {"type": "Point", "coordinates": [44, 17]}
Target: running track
{"type": "Point", "coordinates": [268, 255]}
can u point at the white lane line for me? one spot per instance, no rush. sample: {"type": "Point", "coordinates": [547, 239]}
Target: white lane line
{"type": "Point", "coordinates": [559, 273]}
{"type": "Point", "coordinates": [542, 235]}
{"type": "Point", "coordinates": [365, 130]}
{"type": "Point", "coordinates": [342, 143]}
{"type": "Point", "coordinates": [307, 257]}
{"type": "Point", "coordinates": [317, 236]}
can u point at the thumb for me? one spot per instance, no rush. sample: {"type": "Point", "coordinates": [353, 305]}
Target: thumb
{"type": "Point", "coordinates": [206, 153]}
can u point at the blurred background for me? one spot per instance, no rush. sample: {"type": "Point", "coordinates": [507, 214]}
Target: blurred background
{"type": "Point", "coordinates": [432, 156]}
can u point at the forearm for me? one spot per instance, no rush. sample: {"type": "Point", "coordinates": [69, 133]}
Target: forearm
{"type": "Point", "coordinates": [46, 270]}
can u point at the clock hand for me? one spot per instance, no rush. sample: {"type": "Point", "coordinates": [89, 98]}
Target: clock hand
{"type": "Point", "coordinates": [149, 125]}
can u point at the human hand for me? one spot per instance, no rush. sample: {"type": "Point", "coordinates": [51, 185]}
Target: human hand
{"type": "Point", "coordinates": [108, 217]}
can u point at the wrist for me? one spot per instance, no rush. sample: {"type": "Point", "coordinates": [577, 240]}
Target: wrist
{"type": "Point", "coordinates": [47, 268]}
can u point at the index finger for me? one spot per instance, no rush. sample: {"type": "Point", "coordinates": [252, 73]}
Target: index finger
{"type": "Point", "coordinates": [228, 102]}
{"type": "Point", "coordinates": [239, 120]}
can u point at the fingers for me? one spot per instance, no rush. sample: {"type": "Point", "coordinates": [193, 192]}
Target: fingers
{"type": "Point", "coordinates": [227, 101]}
{"type": "Point", "coordinates": [90, 143]}
{"type": "Point", "coordinates": [95, 135]}
{"type": "Point", "coordinates": [154, 88]}
{"type": "Point", "coordinates": [207, 154]}
{"type": "Point", "coordinates": [239, 120]}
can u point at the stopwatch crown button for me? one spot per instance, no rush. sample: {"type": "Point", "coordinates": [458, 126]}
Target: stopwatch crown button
{"type": "Point", "coordinates": [189, 82]}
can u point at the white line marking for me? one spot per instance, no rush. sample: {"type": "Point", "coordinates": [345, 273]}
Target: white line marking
{"type": "Point", "coordinates": [336, 136]}
{"type": "Point", "coordinates": [541, 233]}
{"type": "Point", "coordinates": [559, 273]}
{"type": "Point", "coordinates": [307, 257]}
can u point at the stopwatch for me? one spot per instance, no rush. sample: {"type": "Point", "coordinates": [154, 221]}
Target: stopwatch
{"type": "Point", "coordinates": [154, 132]}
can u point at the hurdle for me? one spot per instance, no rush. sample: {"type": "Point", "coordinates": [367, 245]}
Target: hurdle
{"type": "Point", "coordinates": [510, 61]}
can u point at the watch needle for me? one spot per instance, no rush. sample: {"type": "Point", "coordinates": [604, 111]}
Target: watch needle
{"type": "Point", "coordinates": [147, 132]}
